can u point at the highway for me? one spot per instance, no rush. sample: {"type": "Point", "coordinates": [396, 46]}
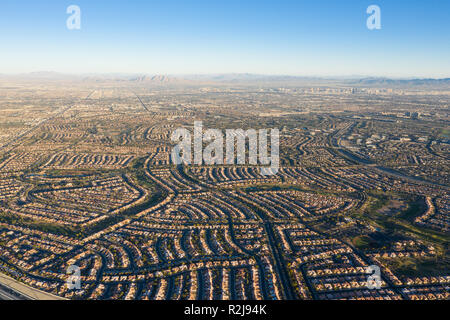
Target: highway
{"type": "Point", "coordinates": [7, 293]}
{"type": "Point", "coordinates": [11, 289]}
{"type": "Point", "coordinates": [339, 150]}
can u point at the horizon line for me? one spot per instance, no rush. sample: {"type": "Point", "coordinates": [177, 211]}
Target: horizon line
{"type": "Point", "coordinates": [128, 74]}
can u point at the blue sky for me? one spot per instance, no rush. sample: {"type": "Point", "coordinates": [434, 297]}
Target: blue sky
{"type": "Point", "coordinates": [321, 37]}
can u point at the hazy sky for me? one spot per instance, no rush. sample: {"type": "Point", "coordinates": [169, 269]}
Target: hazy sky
{"type": "Point", "coordinates": [320, 37]}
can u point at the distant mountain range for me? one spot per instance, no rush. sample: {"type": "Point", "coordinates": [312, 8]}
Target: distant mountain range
{"type": "Point", "coordinates": [225, 78]}
{"type": "Point", "coordinates": [416, 82]}
{"type": "Point", "coordinates": [157, 78]}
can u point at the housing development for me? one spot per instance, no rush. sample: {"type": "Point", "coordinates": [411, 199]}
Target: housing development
{"type": "Point", "coordinates": [87, 181]}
